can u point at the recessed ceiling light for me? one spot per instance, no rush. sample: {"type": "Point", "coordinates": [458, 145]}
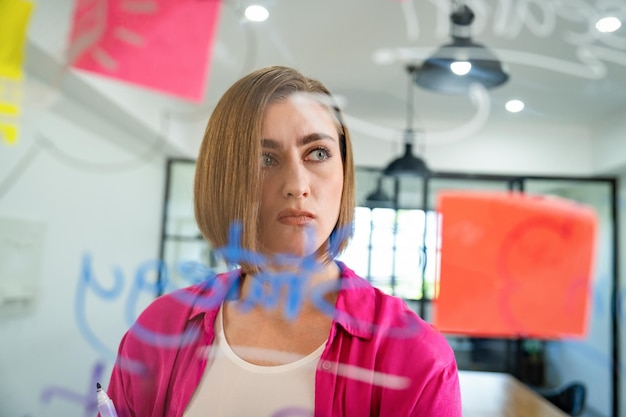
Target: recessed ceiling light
{"type": "Point", "coordinates": [608, 24]}
{"type": "Point", "coordinates": [384, 56]}
{"type": "Point", "coordinates": [256, 13]}
{"type": "Point", "coordinates": [514, 106]}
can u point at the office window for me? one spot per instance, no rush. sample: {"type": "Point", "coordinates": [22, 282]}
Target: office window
{"type": "Point", "coordinates": [388, 250]}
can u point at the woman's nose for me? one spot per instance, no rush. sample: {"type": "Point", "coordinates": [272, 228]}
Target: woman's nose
{"type": "Point", "coordinates": [296, 181]}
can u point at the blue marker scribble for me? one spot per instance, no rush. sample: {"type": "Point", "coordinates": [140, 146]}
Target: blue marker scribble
{"type": "Point", "coordinates": [265, 290]}
{"type": "Point", "coordinates": [295, 288]}
{"type": "Point", "coordinates": [167, 341]}
{"type": "Point", "coordinates": [213, 292]}
{"type": "Point", "coordinates": [88, 281]}
{"type": "Point", "coordinates": [142, 284]}
{"type": "Point", "coordinates": [318, 298]}
{"type": "Point", "coordinates": [293, 412]}
{"type": "Point", "coordinates": [234, 254]}
{"type": "Point", "coordinates": [194, 272]}
{"type": "Point", "coordinates": [599, 306]}
{"type": "Point", "coordinates": [339, 235]}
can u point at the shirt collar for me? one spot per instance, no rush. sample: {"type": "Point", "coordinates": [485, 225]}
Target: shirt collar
{"type": "Point", "coordinates": [355, 308]}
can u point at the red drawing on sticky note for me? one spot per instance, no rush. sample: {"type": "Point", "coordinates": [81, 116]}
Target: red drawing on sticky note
{"type": "Point", "coordinates": [160, 44]}
{"type": "Point", "coordinates": [524, 271]}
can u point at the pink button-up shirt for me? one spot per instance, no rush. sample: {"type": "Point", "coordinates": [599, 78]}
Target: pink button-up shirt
{"type": "Point", "coordinates": [381, 359]}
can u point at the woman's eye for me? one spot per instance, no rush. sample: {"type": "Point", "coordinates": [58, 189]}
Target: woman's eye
{"type": "Point", "coordinates": [319, 154]}
{"type": "Point", "coordinates": [267, 160]}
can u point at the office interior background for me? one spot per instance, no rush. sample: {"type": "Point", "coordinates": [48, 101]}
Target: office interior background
{"type": "Point", "coordinates": [83, 189]}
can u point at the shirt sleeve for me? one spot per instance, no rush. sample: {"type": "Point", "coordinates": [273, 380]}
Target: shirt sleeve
{"type": "Point", "coordinates": [441, 396]}
{"type": "Point", "coordinates": [120, 382]}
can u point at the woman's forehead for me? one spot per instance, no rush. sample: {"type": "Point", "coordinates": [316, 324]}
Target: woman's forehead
{"type": "Point", "coordinates": [309, 104]}
{"type": "Point", "coordinates": [293, 115]}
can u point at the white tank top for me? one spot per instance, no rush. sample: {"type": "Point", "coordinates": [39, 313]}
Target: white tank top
{"type": "Point", "coordinates": [232, 387]}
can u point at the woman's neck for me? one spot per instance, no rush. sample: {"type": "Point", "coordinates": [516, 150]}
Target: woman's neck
{"type": "Point", "coordinates": [277, 288]}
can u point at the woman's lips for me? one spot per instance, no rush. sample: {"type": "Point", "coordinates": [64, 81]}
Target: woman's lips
{"type": "Point", "coordinates": [291, 217]}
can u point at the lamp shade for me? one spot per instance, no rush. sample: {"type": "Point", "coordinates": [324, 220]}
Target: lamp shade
{"type": "Point", "coordinates": [378, 198]}
{"type": "Point", "coordinates": [436, 73]}
{"type": "Point", "coordinates": [407, 165]}
{"type": "Point", "coordinates": [481, 65]}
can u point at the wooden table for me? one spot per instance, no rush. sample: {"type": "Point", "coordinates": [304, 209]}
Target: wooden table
{"type": "Point", "coordinates": [494, 394]}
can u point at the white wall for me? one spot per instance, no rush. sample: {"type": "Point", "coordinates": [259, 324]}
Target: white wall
{"type": "Point", "coordinates": [546, 149]}
{"type": "Point", "coordinates": [609, 153]}
{"type": "Point", "coordinates": [104, 209]}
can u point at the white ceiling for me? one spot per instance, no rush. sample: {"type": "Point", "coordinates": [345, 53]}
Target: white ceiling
{"type": "Point", "coordinates": [566, 72]}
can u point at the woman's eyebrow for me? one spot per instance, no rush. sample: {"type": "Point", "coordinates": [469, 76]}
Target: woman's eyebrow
{"type": "Point", "coordinates": [271, 143]}
{"type": "Point", "coordinates": [302, 141]}
{"type": "Point", "coordinates": [312, 137]}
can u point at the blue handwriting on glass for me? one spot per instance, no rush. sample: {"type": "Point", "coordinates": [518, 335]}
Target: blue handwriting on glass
{"type": "Point", "coordinates": [220, 288]}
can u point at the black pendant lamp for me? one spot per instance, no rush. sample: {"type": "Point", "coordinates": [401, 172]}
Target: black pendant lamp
{"type": "Point", "coordinates": [456, 66]}
{"type": "Point", "coordinates": [378, 198]}
{"type": "Point", "coordinates": [408, 164]}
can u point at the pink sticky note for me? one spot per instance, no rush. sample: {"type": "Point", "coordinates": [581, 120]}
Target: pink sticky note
{"type": "Point", "coordinates": [160, 44]}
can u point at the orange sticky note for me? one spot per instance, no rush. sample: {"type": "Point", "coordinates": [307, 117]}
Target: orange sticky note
{"type": "Point", "coordinates": [160, 44]}
{"type": "Point", "coordinates": [514, 265]}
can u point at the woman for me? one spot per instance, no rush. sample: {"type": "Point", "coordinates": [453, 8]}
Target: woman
{"type": "Point", "coordinates": [292, 332]}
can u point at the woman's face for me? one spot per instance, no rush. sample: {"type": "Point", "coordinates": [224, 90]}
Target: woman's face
{"type": "Point", "coordinates": [302, 177]}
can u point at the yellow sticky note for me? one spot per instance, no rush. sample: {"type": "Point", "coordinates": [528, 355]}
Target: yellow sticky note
{"type": "Point", "coordinates": [8, 133]}
{"type": "Point", "coordinates": [10, 94]}
{"type": "Point", "coordinates": [14, 17]}
{"type": "Point", "coordinates": [9, 109]}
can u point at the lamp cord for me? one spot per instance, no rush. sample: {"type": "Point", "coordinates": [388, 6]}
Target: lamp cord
{"type": "Point", "coordinates": [456, 5]}
{"type": "Point", "coordinates": [409, 135]}
{"type": "Point", "coordinates": [409, 108]}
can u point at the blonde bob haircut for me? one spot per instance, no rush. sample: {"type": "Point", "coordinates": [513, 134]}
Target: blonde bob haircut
{"type": "Point", "coordinates": [228, 171]}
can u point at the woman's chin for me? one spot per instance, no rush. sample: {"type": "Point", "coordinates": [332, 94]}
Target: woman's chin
{"type": "Point", "coordinates": [290, 253]}
{"type": "Point", "coordinates": [295, 254]}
